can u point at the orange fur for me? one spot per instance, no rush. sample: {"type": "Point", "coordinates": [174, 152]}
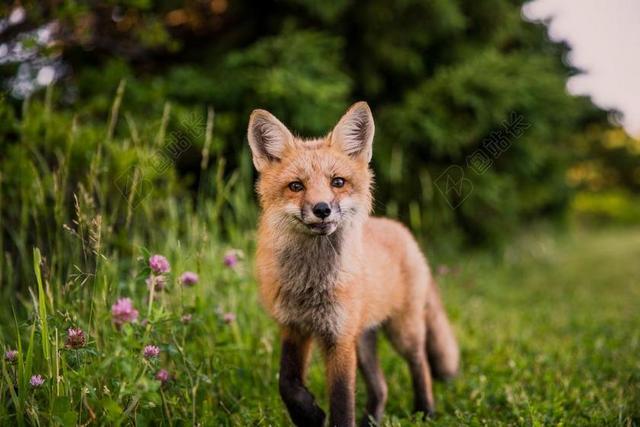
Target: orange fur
{"type": "Point", "coordinates": [335, 278]}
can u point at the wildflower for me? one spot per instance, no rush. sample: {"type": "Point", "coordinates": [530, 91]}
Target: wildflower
{"type": "Point", "coordinates": [186, 318]}
{"type": "Point", "coordinates": [229, 317]}
{"type": "Point", "coordinates": [163, 376]}
{"type": "Point", "coordinates": [36, 381]}
{"type": "Point", "coordinates": [11, 356]}
{"type": "Point", "coordinates": [151, 351]}
{"type": "Point", "coordinates": [158, 282]}
{"type": "Point", "coordinates": [159, 264]}
{"type": "Point", "coordinates": [123, 311]}
{"type": "Point", "coordinates": [188, 278]}
{"type": "Point", "coordinates": [75, 338]}
{"type": "Point", "coordinates": [231, 258]}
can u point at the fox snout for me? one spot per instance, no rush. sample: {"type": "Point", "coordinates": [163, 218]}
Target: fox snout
{"type": "Point", "coordinates": [321, 210]}
{"type": "Point", "coordinates": [321, 217]}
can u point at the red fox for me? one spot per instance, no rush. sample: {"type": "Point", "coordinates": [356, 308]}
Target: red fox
{"type": "Point", "coordinates": [329, 272]}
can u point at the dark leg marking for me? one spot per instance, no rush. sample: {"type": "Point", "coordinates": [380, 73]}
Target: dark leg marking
{"type": "Point", "coordinates": [341, 367]}
{"type": "Point", "coordinates": [373, 377]}
{"type": "Point", "coordinates": [341, 402]}
{"type": "Point", "coordinates": [298, 399]}
{"type": "Point", "coordinates": [422, 387]}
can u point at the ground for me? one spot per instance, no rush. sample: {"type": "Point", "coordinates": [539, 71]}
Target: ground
{"type": "Point", "coordinates": [550, 335]}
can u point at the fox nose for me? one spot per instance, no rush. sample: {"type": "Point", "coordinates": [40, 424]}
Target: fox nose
{"type": "Point", "coordinates": [321, 210]}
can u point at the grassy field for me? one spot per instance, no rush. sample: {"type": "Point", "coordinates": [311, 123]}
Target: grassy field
{"type": "Point", "coordinates": [550, 336]}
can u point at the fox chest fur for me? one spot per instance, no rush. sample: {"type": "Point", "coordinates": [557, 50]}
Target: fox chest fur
{"type": "Point", "coordinates": [309, 271]}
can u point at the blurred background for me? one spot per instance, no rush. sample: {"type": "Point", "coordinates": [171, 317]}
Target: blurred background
{"type": "Point", "coordinates": [122, 125]}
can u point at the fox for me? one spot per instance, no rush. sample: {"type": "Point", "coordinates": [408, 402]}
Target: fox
{"type": "Point", "coordinates": [329, 273]}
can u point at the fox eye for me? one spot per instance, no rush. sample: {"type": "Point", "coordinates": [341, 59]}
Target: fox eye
{"type": "Point", "coordinates": [296, 186]}
{"type": "Point", "coordinates": [337, 182]}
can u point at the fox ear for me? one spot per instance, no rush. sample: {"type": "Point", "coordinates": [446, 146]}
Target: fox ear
{"type": "Point", "coordinates": [268, 138]}
{"type": "Point", "coordinates": [354, 132]}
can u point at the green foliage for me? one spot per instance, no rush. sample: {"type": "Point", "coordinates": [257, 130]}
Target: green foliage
{"type": "Point", "coordinates": [441, 76]}
{"type": "Point", "coordinates": [606, 173]}
{"type": "Point", "coordinates": [458, 112]}
{"type": "Point", "coordinates": [606, 207]}
{"type": "Point", "coordinates": [65, 179]}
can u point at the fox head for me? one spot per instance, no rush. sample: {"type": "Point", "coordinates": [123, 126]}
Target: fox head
{"type": "Point", "coordinates": [313, 186]}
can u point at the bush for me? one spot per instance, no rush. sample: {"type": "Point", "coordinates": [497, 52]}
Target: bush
{"type": "Point", "coordinates": [65, 178]}
{"type": "Point", "coordinates": [442, 78]}
{"type": "Point", "coordinates": [603, 208]}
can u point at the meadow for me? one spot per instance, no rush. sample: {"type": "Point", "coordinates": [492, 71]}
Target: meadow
{"type": "Point", "coordinates": [549, 327]}
{"type": "Point", "coordinates": [549, 337]}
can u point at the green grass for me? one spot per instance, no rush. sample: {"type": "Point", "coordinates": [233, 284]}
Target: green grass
{"type": "Point", "coordinates": [550, 335]}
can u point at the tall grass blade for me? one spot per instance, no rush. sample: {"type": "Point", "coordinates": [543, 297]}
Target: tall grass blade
{"type": "Point", "coordinates": [20, 373]}
{"type": "Point", "coordinates": [115, 109]}
{"type": "Point", "coordinates": [14, 397]}
{"type": "Point", "coordinates": [42, 310]}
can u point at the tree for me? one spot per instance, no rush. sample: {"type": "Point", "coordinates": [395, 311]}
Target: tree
{"type": "Point", "coordinates": [445, 79]}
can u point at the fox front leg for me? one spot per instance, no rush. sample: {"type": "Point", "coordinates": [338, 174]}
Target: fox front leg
{"type": "Point", "coordinates": [298, 399]}
{"type": "Point", "coordinates": [341, 364]}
